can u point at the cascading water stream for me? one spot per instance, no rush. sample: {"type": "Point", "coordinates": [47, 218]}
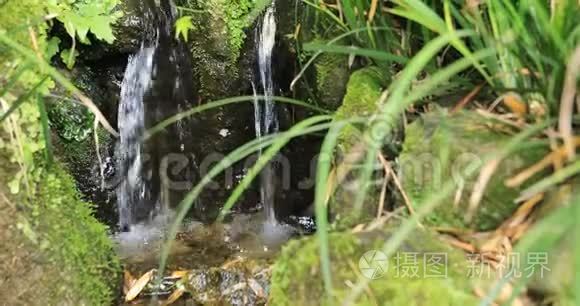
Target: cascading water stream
{"type": "Point", "coordinates": [158, 82]}
{"type": "Point", "coordinates": [136, 81]}
{"type": "Point", "coordinates": [266, 121]}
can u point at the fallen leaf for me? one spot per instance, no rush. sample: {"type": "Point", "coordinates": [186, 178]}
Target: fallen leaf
{"type": "Point", "coordinates": [139, 286]}
{"type": "Point", "coordinates": [515, 104]}
{"type": "Point", "coordinates": [128, 281]}
{"type": "Point", "coordinates": [178, 293]}
{"type": "Point", "coordinates": [179, 274]}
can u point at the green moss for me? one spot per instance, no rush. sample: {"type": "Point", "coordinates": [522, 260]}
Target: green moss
{"type": "Point", "coordinates": [332, 76]}
{"type": "Point", "coordinates": [232, 20]}
{"type": "Point", "coordinates": [296, 278]}
{"type": "Point", "coordinates": [438, 148]}
{"type": "Point", "coordinates": [362, 97]}
{"type": "Point", "coordinates": [74, 239]}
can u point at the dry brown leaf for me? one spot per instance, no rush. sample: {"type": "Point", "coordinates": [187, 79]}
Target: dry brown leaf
{"type": "Point", "coordinates": [553, 158]}
{"type": "Point", "coordinates": [128, 281]}
{"type": "Point", "coordinates": [515, 104]}
{"type": "Point", "coordinates": [373, 10]}
{"type": "Point", "coordinates": [523, 212]}
{"type": "Point", "coordinates": [178, 293]}
{"type": "Point", "coordinates": [459, 244]}
{"type": "Point", "coordinates": [139, 286]}
{"type": "Point", "coordinates": [179, 274]}
{"type": "Point", "coordinates": [461, 104]}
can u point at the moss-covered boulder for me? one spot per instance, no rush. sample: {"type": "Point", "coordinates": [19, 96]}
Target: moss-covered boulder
{"type": "Point", "coordinates": [362, 98]}
{"type": "Point", "coordinates": [53, 251]}
{"type": "Point", "coordinates": [403, 279]}
{"type": "Point", "coordinates": [332, 76]}
{"type": "Point", "coordinates": [438, 149]}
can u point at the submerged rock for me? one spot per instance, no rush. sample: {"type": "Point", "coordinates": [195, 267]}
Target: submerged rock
{"type": "Point", "coordinates": [399, 280]}
{"type": "Point", "coordinates": [439, 147]}
{"type": "Point", "coordinates": [242, 283]}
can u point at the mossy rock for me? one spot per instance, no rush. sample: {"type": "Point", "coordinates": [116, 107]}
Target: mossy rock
{"type": "Point", "coordinates": [332, 75]}
{"type": "Point", "coordinates": [220, 45]}
{"type": "Point", "coordinates": [297, 279]}
{"type": "Point", "coordinates": [65, 256]}
{"type": "Point", "coordinates": [438, 149]}
{"type": "Point", "coordinates": [363, 93]}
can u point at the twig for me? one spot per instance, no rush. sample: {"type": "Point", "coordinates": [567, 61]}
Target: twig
{"type": "Point", "coordinates": [383, 194]}
{"type": "Point", "coordinates": [388, 167]}
{"type": "Point", "coordinates": [472, 94]}
{"type": "Point", "coordinates": [97, 149]}
{"type": "Point", "coordinates": [567, 103]}
{"type": "Point", "coordinates": [480, 186]}
{"type": "Point", "coordinates": [552, 158]}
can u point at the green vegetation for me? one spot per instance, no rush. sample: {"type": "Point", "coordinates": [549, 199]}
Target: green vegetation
{"type": "Point", "coordinates": [56, 224]}
{"type": "Point", "coordinates": [486, 93]}
{"type": "Point", "coordinates": [438, 147]}
{"type": "Point", "coordinates": [299, 261]}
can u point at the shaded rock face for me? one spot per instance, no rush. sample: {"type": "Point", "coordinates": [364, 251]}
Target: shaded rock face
{"type": "Point", "coordinates": [189, 75]}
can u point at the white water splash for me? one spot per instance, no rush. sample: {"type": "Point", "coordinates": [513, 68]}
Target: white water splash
{"type": "Point", "coordinates": [264, 111]}
{"type": "Point", "coordinates": [136, 81]}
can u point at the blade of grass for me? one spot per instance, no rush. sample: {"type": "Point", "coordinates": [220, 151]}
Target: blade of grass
{"type": "Point", "coordinates": [45, 129]}
{"type": "Point", "coordinates": [23, 98]}
{"type": "Point", "coordinates": [265, 158]}
{"type": "Point", "coordinates": [320, 205]}
{"type": "Point", "coordinates": [58, 77]}
{"type": "Point", "coordinates": [332, 41]}
{"type": "Point", "coordinates": [215, 104]}
{"type": "Point", "coordinates": [348, 50]}
{"type": "Point", "coordinates": [12, 81]}
{"type": "Point", "coordinates": [552, 180]}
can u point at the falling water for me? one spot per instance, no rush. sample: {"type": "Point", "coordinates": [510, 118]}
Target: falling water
{"type": "Point", "coordinates": [265, 116]}
{"type": "Point", "coordinates": [136, 82]}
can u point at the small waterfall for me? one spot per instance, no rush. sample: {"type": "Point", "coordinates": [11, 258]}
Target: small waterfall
{"type": "Point", "coordinates": [136, 81]}
{"type": "Point", "coordinates": [264, 109]}
{"type": "Point", "coordinates": [158, 82]}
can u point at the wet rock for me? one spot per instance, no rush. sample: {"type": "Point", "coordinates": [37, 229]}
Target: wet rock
{"type": "Point", "coordinates": [242, 284]}
{"type": "Point", "coordinates": [439, 147]}
{"type": "Point", "coordinates": [74, 139]}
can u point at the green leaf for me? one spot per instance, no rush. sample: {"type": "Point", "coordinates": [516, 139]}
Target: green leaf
{"type": "Point", "coordinates": [101, 27]}
{"type": "Point", "coordinates": [182, 27]}
{"type": "Point", "coordinates": [69, 58]}
{"type": "Point", "coordinates": [52, 48]}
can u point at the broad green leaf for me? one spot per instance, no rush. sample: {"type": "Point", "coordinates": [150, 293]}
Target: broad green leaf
{"type": "Point", "coordinates": [182, 27]}
{"type": "Point", "coordinates": [101, 27]}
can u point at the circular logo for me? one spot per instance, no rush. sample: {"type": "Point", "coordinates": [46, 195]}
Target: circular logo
{"type": "Point", "coordinates": [373, 264]}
